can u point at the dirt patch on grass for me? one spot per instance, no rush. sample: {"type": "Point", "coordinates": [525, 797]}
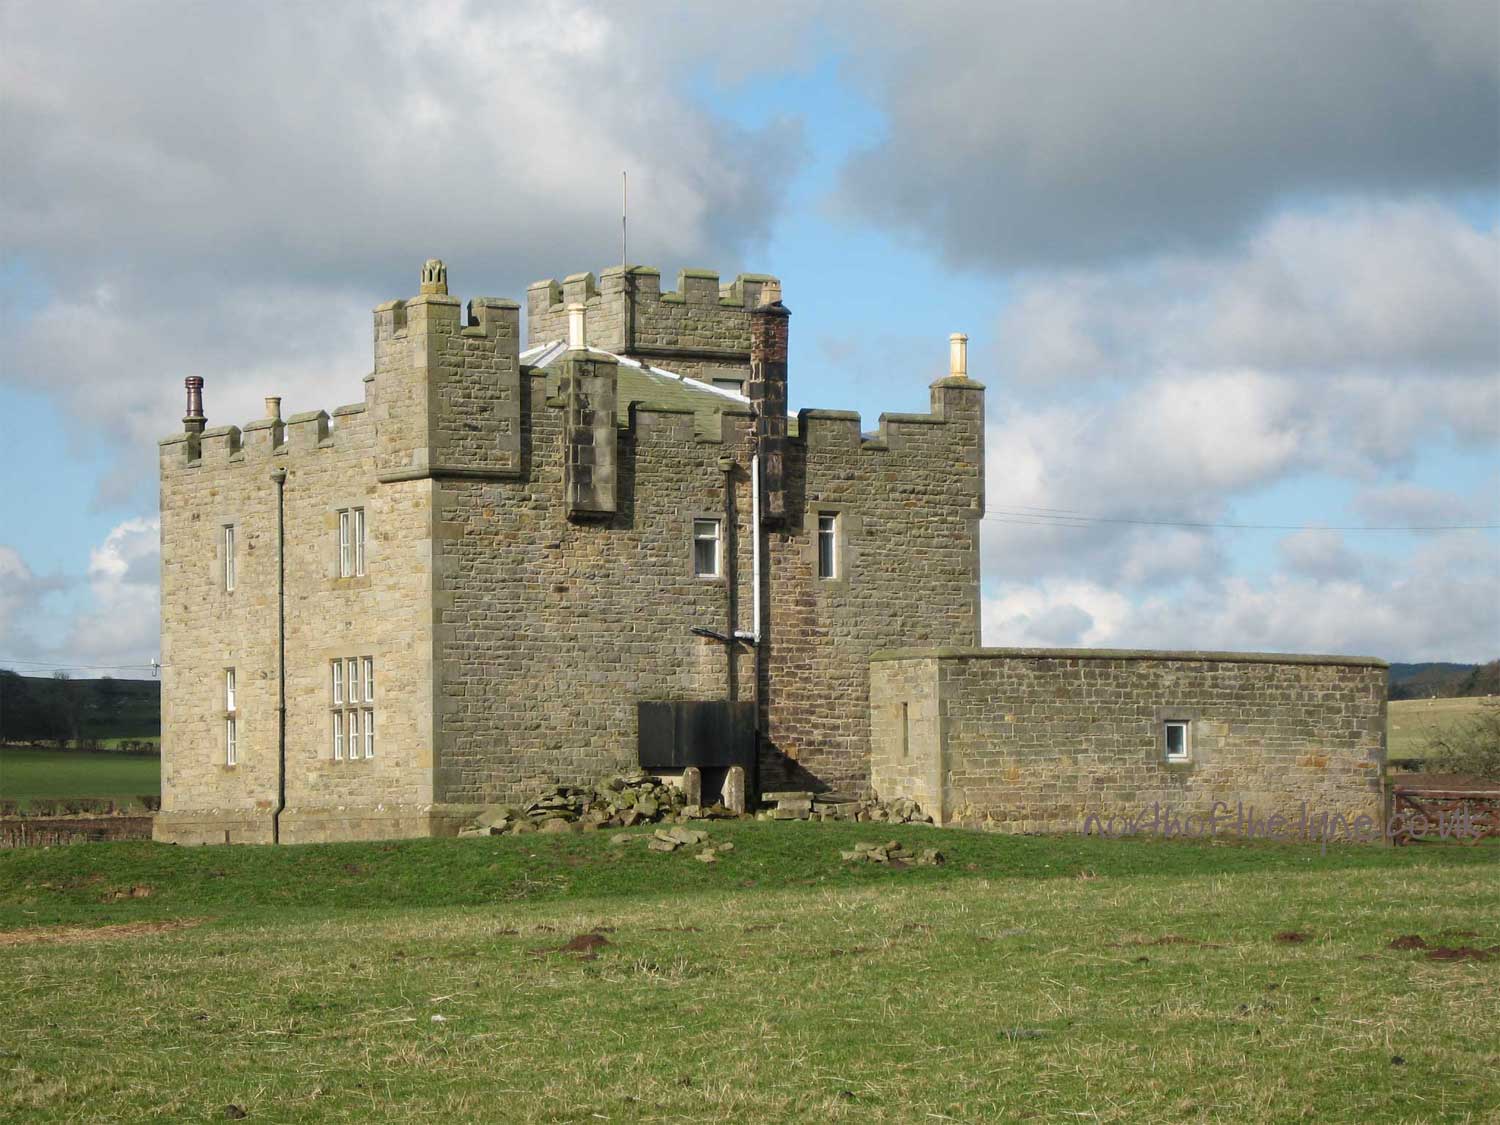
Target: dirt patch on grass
{"type": "Point", "coordinates": [585, 945]}
{"type": "Point", "coordinates": [1291, 937]}
{"type": "Point", "coordinates": [1412, 942]}
{"type": "Point", "coordinates": [1460, 953]}
{"type": "Point", "coordinates": [68, 935]}
{"type": "Point", "coordinates": [1407, 941]}
{"type": "Point", "coordinates": [140, 890]}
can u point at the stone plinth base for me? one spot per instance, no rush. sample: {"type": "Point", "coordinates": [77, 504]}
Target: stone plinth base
{"type": "Point", "coordinates": [311, 825]}
{"type": "Point", "coordinates": [212, 826]}
{"type": "Point", "coordinates": [325, 824]}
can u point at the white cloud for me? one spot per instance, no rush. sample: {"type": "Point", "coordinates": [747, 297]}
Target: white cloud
{"type": "Point", "coordinates": [226, 190]}
{"type": "Point", "coordinates": [123, 623]}
{"type": "Point", "coordinates": [1033, 135]}
{"type": "Point", "coordinates": [115, 622]}
{"type": "Point", "coordinates": [1388, 289]}
{"type": "Point", "coordinates": [1404, 504]}
{"type": "Point", "coordinates": [1322, 555]}
{"type": "Point", "coordinates": [307, 142]}
{"type": "Point", "coordinates": [1171, 390]}
{"type": "Point", "coordinates": [24, 630]}
{"type": "Point", "coordinates": [1442, 606]}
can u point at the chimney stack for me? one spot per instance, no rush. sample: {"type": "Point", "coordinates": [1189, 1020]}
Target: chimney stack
{"type": "Point", "coordinates": [958, 356]}
{"type": "Point", "coordinates": [434, 277]}
{"type": "Point", "coordinates": [273, 407]}
{"type": "Point", "coordinates": [577, 327]}
{"type": "Point", "coordinates": [768, 396]}
{"type": "Point", "coordinates": [193, 421]}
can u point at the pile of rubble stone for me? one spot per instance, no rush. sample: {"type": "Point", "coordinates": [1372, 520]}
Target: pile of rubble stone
{"type": "Point", "coordinates": [673, 839]}
{"type": "Point", "coordinates": [617, 802]}
{"type": "Point", "coordinates": [801, 805]}
{"type": "Point", "coordinates": [893, 852]}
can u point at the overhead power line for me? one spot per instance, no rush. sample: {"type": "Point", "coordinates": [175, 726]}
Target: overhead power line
{"type": "Point", "coordinates": [1062, 517]}
{"type": "Point", "coordinates": [151, 666]}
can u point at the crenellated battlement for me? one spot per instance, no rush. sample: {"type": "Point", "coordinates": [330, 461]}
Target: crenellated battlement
{"type": "Point", "coordinates": [257, 442]}
{"type": "Point", "coordinates": [700, 329]}
{"type": "Point", "coordinates": [699, 287]}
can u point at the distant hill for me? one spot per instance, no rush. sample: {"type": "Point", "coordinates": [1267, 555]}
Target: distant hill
{"type": "Point", "coordinates": [1443, 681]}
{"type": "Point", "coordinates": [53, 709]}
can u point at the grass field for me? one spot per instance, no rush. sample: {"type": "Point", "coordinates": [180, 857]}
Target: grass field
{"type": "Point", "coordinates": [1411, 722]}
{"type": "Point", "coordinates": [27, 773]}
{"type": "Point", "coordinates": [1029, 978]}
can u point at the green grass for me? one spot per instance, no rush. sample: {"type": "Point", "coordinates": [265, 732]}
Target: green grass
{"type": "Point", "coordinates": [1411, 722]}
{"type": "Point", "coordinates": [1040, 978]}
{"type": "Point", "coordinates": [27, 773]}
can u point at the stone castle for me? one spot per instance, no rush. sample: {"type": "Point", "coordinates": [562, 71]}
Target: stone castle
{"type": "Point", "coordinates": [511, 567]}
{"type": "Point", "coordinates": [468, 584]}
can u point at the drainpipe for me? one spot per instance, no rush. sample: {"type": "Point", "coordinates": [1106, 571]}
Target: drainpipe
{"type": "Point", "coordinates": [755, 551]}
{"type": "Point", "coordinates": [731, 576]}
{"type": "Point", "coordinates": [279, 477]}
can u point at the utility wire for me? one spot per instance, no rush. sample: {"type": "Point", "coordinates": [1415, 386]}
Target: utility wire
{"type": "Point", "coordinates": [151, 667]}
{"type": "Point", "coordinates": [1062, 517]}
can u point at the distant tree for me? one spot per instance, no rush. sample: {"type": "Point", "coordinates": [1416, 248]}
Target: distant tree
{"type": "Point", "coordinates": [66, 703]}
{"type": "Point", "coordinates": [1484, 680]}
{"type": "Point", "coordinates": [1471, 747]}
{"type": "Point", "coordinates": [107, 696]}
{"type": "Point", "coordinates": [25, 715]}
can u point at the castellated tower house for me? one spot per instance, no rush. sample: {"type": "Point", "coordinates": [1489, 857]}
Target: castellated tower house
{"type": "Point", "coordinates": [515, 564]}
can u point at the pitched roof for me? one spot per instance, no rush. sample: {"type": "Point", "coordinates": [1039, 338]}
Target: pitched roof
{"type": "Point", "coordinates": [640, 382]}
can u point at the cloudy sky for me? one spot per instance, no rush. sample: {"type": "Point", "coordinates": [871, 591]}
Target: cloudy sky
{"type": "Point", "coordinates": [1231, 271]}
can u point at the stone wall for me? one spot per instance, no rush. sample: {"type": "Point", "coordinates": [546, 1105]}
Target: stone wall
{"type": "Point", "coordinates": [551, 629]}
{"type": "Point", "coordinates": [53, 831]}
{"type": "Point", "coordinates": [329, 465]}
{"type": "Point", "coordinates": [512, 642]}
{"type": "Point", "coordinates": [1032, 740]}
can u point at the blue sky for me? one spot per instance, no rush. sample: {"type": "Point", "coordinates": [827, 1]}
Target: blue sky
{"type": "Point", "coordinates": [1230, 264]}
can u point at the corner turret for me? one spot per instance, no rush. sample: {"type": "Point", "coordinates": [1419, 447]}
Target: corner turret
{"type": "Point", "coordinates": [447, 388]}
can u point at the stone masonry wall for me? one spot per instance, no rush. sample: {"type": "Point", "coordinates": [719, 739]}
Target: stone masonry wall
{"type": "Point", "coordinates": [512, 643]}
{"type": "Point", "coordinates": [206, 629]}
{"type": "Point", "coordinates": [1038, 740]}
{"type": "Point", "coordinates": [908, 504]}
{"type": "Point", "coordinates": [552, 630]}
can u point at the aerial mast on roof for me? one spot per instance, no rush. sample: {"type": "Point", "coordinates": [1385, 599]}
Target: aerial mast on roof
{"type": "Point", "coordinates": [624, 214]}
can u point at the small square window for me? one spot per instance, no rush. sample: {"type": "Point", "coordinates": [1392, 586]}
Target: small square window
{"type": "Point", "coordinates": [231, 741]}
{"type": "Point", "coordinates": [338, 681]}
{"type": "Point", "coordinates": [1175, 740]}
{"type": "Point", "coordinates": [369, 667]}
{"type": "Point", "coordinates": [706, 548]}
{"type": "Point", "coordinates": [828, 545]}
{"type": "Point", "coordinates": [369, 734]}
{"type": "Point", "coordinates": [229, 689]}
